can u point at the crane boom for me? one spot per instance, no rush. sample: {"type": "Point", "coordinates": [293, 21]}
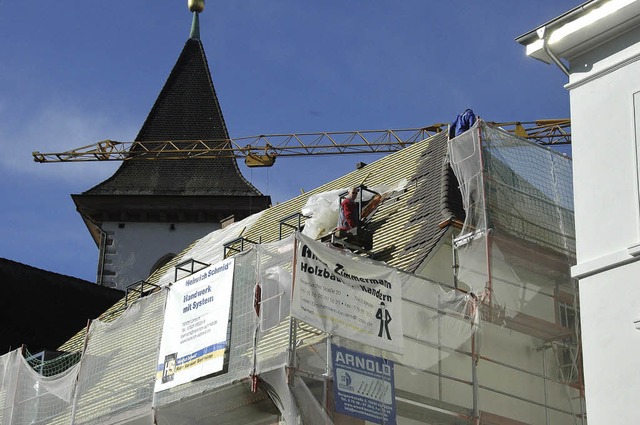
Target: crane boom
{"type": "Point", "coordinates": [262, 150]}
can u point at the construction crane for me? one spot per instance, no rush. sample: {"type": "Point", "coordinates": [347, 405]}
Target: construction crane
{"type": "Point", "coordinates": [262, 150]}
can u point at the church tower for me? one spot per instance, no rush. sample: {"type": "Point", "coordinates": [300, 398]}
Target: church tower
{"type": "Point", "coordinates": [149, 210]}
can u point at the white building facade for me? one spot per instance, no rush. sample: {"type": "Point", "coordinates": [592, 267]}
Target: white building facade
{"type": "Point", "coordinates": [597, 45]}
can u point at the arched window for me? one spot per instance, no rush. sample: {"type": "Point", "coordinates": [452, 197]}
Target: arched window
{"type": "Point", "coordinates": [161, 262]}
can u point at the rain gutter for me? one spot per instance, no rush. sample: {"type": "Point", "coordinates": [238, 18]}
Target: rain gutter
{"type": "Point", "coordinates": [545, 46]}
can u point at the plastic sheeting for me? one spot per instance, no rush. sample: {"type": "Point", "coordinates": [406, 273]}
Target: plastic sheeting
{"type": "Point", "coordinates": [519, 219]}
{"type": "Point", "coordinates": [513, 256]}
{"type": "Point", "coordinates": [27, 397]}
{"type": "Point", "coordinates": [113, 380]}
{"type": "Point", "coordinates": [322, 209]}
{"type": "Point", "coordinates": [290, 360]}
{"type": "Point", "coordinates": [274, 278]}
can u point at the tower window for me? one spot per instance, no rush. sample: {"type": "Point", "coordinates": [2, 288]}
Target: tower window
{"type": "Point", "coordinates": [161, 262]}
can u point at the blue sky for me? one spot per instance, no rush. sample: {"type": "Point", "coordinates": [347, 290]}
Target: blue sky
{"type": "Point", "coordinates": [73, 74]}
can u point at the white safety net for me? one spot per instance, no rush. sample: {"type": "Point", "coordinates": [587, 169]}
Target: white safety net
{"type": "Point", "coordinates": [518, 201]}
{"type": "Point", "coordinates": [513, 256]}
{"type": "Point", "coordinates": [28, 397]}
{"type": "Point", "coordinates": [509, 262]}
{"type": "Point", "coordinates": [118, 366]}
{"type": "Point", "coordinates": [113, 380]}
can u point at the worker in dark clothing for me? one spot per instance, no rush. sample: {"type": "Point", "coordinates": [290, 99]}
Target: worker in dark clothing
{"type": "Point", "coordinates": [463, 122]}
{"type": "Point", "coordinates": [349, 211]}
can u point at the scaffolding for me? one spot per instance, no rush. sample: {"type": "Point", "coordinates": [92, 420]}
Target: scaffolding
{"type": "Point", "coordinates": [515, 249]}
{"type": "Point", "coordinates": [498, 341]}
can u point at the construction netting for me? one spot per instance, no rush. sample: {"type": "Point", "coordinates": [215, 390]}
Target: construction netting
{"type": "Point", "coordinates": [518, 201]}
{"type": "Point", "coordinates": [113, 381]}
{"type": "Point", "coordinates": [27, 397]}
{"type": "Point", "coordinates": [438, 323]}
{"type": "Point", "coordinates": [497, 341]}
{"type": "Point", "coordinates": [514, 255]}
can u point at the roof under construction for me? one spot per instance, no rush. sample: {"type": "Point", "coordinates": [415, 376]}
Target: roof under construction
{"type": "Point", "coordinates": [410, 227]}
{"type": "Point", "coordinates": [407, 227]}
{"type": "Point", "coordinates": [472, 232]}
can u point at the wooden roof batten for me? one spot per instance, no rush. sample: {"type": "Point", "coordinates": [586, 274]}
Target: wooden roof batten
{"type": "Point", "coordinates": [431, 195]}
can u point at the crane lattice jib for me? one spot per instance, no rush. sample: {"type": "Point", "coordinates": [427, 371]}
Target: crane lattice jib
{"type": "Point", "coordinates": [266, 148]}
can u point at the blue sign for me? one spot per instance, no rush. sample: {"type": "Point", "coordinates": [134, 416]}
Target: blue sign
{"type": "Point", "coordinates": [363, 385]}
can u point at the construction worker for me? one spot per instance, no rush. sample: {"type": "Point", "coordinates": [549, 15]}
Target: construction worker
{"type": "Point", "coordinates": [348, 218]}
{"type": "Point", "coordinates": [350, 231]}
{"type": "Point", "coordinates": [463, 122]}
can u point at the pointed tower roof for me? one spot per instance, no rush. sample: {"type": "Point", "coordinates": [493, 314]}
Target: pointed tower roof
{"type": "Point", "coordinates": [186, 109]}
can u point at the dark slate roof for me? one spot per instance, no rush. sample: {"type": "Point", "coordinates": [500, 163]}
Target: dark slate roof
{"type": "Point", "coordinates": [42, 309]}
{"type": "Point", "coordinates": [186, 109]}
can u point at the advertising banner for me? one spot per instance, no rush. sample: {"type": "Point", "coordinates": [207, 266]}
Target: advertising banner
{"type": "Point", "coordinates": [341, 295]}
{"type": "Point", "coordinates": [194, 335]}
{"type": "Point", "coordinates": [363, 385]}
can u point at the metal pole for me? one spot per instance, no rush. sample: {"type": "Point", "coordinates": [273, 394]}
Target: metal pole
{"type": "Point", "coordinates": [328, 374]}
{"type": "Point", "coordinates": [293, 324]}
{"type": "Point", "coordinates": [439, 351]}
{"type": "Point", "coordinates": [544, 380]}
{"type": "Point", "coordinates": [487, 230]}
{"type": "Point", "coordinates": [293, 337]}
{"type": "Point", "coordinates": [454, 259]}
{"type": "Point", "coordinates": [474, 378]}
{"type": "Point", "coordinates": [77, 380]}
{"type": "Point", "coordinates": [329, 360]}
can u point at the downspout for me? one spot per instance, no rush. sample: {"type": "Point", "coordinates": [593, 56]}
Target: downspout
{"type": "Point", "coordinates": [102, 247]}
{"type": "Point", "coordinates": [103, 254]}
{"type": "Point", "coordinates": [545, 46]}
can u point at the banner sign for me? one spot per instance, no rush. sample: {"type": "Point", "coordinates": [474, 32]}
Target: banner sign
{"type": "Point", "coordinates": [363, 385]}
{"type": "Point", "coordinates": [194, 335]}
{"type": "Point", "coordinates": [346, 297]}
